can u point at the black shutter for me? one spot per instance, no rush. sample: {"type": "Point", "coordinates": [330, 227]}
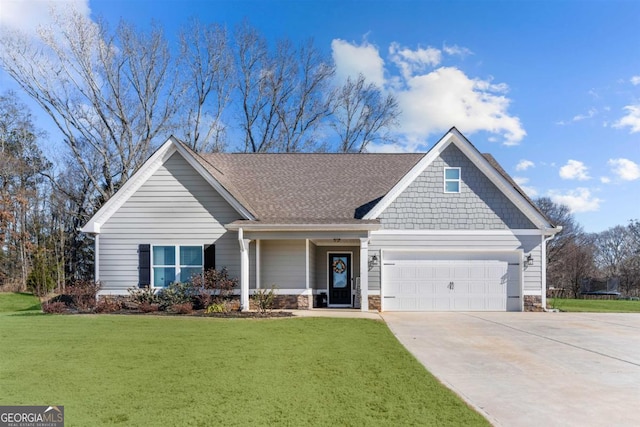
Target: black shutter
{"type": "Point", "coordinates": [209, 257]}
{"type": "Point", "coordinates": [144, 265]}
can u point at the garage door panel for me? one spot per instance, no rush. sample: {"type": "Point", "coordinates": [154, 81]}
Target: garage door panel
{"type": "Point", "coordinates": [448, 285]}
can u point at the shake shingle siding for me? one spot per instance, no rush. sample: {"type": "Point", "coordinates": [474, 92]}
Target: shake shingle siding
{"type": "Point", "coordinates": [480, 204]}
{"type": "Point", "coordinates": [176, 206]}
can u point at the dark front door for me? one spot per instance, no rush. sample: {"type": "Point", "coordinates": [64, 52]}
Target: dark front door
{"type": "Point", "coordinates": [339, 279]}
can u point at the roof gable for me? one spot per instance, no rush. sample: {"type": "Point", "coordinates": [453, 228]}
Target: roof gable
{"type": "Point", "coordinates": [487, 166]}
{"type": "Point", "coordinates": [151, 166]}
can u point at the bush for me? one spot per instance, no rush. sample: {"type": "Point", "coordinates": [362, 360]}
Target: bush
{"type": "Point", "coordinates": [184, 308]}
{"type": "Point", "coordinates": [143, 295]}
{"type": "Point", "coordinates": [147, 307]}
{"type": "Point", "coordinates": [218, 307]}
{"type": "Point", "coordinates": [175, 294]}
{"type": "Point", "coordinates": [108, 305]}
{"type": "Point", "coordinates": [57, 307]}
{"type": "Point", "coordinates": [217, 281]}
{"type": "Point", "coordinates": [83, 294]}
{"type": "Point", "coordinates": [264, 298]}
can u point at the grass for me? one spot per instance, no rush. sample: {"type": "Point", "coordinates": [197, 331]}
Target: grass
{"type": "Point", "coordinates": [595, 306]}
{"type": "Point", "coordinates": [147, 370]}
{"type": "Point", "coordinates": [14, 302]}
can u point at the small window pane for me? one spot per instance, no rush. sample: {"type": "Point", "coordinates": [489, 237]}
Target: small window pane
{"type": "Point", "coordinates": [164, 255]}
{"type": "Point", "coordinates": [452, 187]}
{"type": "Point", "coordinates": [452, 173]}
{"type": "Point", "coordinates": [187, 273]}
{"type": "Point", "coordinates": [190, 255]}
{"type": "Point", "coordinates": [163, 276]}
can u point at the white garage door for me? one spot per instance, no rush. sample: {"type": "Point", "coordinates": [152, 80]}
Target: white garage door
{"type": "Point", "coordinates": [445, 285]}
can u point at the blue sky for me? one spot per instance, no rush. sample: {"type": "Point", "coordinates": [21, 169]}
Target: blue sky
{"type": "Point", "coordinates": [550, 88]}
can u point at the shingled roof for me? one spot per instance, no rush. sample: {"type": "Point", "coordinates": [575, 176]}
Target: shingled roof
{"type": "Point", "coordinates": [318, 188]}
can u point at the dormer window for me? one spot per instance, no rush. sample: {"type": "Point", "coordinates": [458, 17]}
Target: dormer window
{"type": "Point", "coordinates": [451, 180]}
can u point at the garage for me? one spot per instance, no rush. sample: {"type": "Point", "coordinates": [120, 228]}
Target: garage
{"type": "Point", "coordinates": [418, 282]}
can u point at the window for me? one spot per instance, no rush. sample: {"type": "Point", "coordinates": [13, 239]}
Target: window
{"type": "Point", "coordinates": [451, 180]}
{"type": "Point", "coordinates": [175, 264]}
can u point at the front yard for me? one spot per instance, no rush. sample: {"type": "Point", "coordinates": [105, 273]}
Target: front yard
{"type": "Point", "coordinates": [152, 370]}
{"type": "Point", "coordinates": [594, 305]}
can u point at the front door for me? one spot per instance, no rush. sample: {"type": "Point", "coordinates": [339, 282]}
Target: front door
{"type": "Point", "coordinates": [340, 279]}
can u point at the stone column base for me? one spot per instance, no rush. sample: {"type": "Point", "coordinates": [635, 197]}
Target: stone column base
{"type": "Point", "coordinates": [374, 303]}
{"type": "Point", "coordinates": [533, 303]}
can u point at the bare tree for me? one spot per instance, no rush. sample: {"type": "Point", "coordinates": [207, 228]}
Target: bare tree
{"type": "Point", "coordinates": [207, 82]}
{"type": "Point", "coordinates": [612, 248]}
{"type": "Point", "coordinates": [362, 114]}
{"type": "Point", "coordinates": [282, 93]}
{"type": "Point", "coordinates": [109, 92]}
{"type": "Point", "coordinates": [564, 250]}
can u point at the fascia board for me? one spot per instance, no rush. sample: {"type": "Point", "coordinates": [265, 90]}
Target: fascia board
{"type": "Point", "coordinates": [132, 185]}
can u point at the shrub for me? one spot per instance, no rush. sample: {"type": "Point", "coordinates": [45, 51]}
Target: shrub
{"type": "Point", "coordinates": [175, 294]}
{"type": "Point", "coordinates": [184, 308]}
{"type": "Point", "coordinates": [264, 298]}
{"type": "Point", "coordinates": [218, 307]}
{"type": "Point", "coordinates": [56, 307]}
{"type": "Point", "coordinates": [143, 295]}
{"type": "Point", "coordinates": [217, 281]}
{"type": "Point", "coordinates": [83, 294]}
{"type": "Point", "coordinates": [147, 307]}
{"type": "Point", "coordinates": [108, 305]}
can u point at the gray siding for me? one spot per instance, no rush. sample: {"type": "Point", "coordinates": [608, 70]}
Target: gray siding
{"type": "Point", "coordinates": [323, 266]}
{"type": "Point", "coordinates": [175, 206]}
{"type": "Point", "coordinates": [479, 205]}
{"type": "Point", "coordinates": [283, 264]}
{"type": "Point", "coordinates": [441, 244]}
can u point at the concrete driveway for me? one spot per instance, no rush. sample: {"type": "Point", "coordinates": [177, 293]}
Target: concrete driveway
{"type": "Point", "coordinates": [533, 369]}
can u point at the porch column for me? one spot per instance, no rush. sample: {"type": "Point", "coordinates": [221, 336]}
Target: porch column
{"type": "Point", "coordinates": [364, 274]}
{"type": "Point", "coordinates": [244, 270]}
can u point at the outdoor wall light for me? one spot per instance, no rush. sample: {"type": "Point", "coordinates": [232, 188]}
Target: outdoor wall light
{"type": "Point", "coordinates": [529, 260]}
{"type": "Point", "coordinates": [373, 261]}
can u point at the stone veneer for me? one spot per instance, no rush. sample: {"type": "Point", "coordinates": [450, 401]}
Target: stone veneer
{"type": "Point", "coordinates": [533, 303]}
{"type": "Point", "coordinates": [291, 302]}
{"type": "Point", "coordinates": [374, 302]}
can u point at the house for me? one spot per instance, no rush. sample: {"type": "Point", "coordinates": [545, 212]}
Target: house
{"type": "Point", "coordinates": [445, 230]}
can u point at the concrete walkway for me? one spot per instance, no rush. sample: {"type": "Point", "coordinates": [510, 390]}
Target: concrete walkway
{"type": "Point", "coordinates": [533, 369]}
{"type": "Point", "coordinates": [337, 312]}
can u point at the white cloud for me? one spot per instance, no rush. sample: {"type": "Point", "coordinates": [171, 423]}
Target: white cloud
{"type": "Point", "coordinates": [574, 169]}
{"type": "Point", "coordinates": [523, 165]}
{"type": "Point", "coordinates": [578, 200]}
{"type": "Point", "coordinates": [625, 169]}
{"type": "Point", "coordinates": [605, 179]}
{"type": "Point", "coordinates": [28, 15]}
{"type": "Point", "coordinates": [445, 97]}
{"type": "Point", "coordinates": [456, 50]}
{"type": "Point", "coordinates": [591, 113]}
{"type": "Point", "coordinates": [432, 101]}
{"type": "Point", "coordinates": [414, 61]}
{"type": "Point", "coordinates": [631, 120]}
{"type": "Point", "coordinates": [352, 60]}
{"type": "Point", "coordinates": [635, 80]}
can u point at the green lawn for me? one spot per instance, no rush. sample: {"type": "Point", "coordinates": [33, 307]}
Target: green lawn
{"type": "Point", "coordinates": [594, 306]}
{"type": "Point", "coordinates": [147, 370]}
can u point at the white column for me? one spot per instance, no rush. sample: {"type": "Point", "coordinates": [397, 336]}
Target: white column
{"type": "Point", "coordinates": [244, 270]}
{"type": "Point", "coordinates": [364, 274]}
{"type": "Point", "coordinates": [96, 258]}
{"type": "Point", "coordinates": [258, 264]}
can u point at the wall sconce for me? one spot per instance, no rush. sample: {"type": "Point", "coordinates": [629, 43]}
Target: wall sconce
{"type": "Point", "coordinates": [373, 261]}
{"type": "Point", "coordinates": [529, 260]}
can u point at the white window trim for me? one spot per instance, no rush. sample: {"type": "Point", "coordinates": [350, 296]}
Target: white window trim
{"type": "Point", "coordinates": [459, 180]}
{"type": "Point", "coordinates": [176, 265]}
